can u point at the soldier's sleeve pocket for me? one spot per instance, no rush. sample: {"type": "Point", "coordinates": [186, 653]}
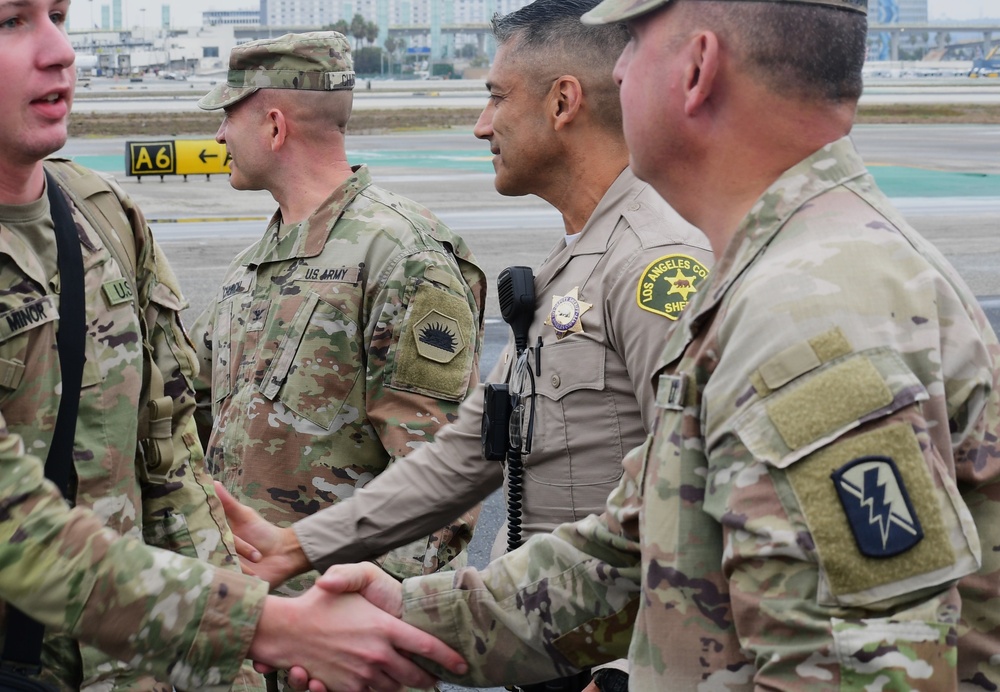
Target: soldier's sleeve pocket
{"type": "Point", "coordinates": [433, 350]}
{"type": "Point", "coordinates": [168, 305]}
{"type": "Point", "coordinates": [317, 363]}
{"type": "Point", "coordinates": [169, 531]}
{"type": "Point", "coordinates": [883, 513]}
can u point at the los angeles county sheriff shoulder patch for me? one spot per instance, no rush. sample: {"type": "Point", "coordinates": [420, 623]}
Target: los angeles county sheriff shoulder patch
{"type": "Point", "coordinates": [667, 283]}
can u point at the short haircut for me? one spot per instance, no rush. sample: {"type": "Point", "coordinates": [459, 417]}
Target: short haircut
{"type": "Point", "coordinates": [322, 112]}
{"type": "Point", "coordinates": [550, 35]}
{"type": "Point", "coordinates": [812, 52]}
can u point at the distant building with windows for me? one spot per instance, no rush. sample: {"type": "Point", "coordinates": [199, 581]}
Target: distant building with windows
{"type": "Point", "coordinates": [439, 26]}
{"type": "Point", "coordinates": [385, 13]}
{"type": "Point", "coordinates": [231, 18]}
{"type": "Point", "coordinates": [897, 11]}
{"type": "Point", "coordinates": [892, 12]}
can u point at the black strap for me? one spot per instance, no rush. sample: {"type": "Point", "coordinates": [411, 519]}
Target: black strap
{"type": "Point", "coordinates": [22, 651]}
{"type": "Point", "coordinates": [70, 337]}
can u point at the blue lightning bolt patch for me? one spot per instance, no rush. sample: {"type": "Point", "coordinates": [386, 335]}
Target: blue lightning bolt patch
{"type": "Point", "coordinates": [877, 506]}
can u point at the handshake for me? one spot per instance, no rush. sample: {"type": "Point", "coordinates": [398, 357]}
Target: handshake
{"type": "Point", "coordinates": [343, 634]}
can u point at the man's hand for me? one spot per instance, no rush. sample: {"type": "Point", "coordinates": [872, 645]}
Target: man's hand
{"type": "Point", "coordinates": [346, 644]}
{"type": "Point", "coordinates": [368, 580]}
{"type": "Point", "coordinates": [266, 551]}
{"type": "Point", "coordinates": [371, 582]}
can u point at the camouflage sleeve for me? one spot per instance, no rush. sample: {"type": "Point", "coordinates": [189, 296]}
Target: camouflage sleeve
{"type": "Point", "coordinates": [201, 335]}
{"type": "Point", "coordinates": [176, 618]}
{"type": "Point", "coordinates": [415, 495]}
{"type": "Point", "coordinates": [831, 474]}
{"type": "Point", "coordinates": [561, 602]}
{"type": "Point", "coordinates": [421, 363]}
{"type": "Point", "coordinates": [976, 430]}
{"type": "Point", "coordinates": [181, 511]}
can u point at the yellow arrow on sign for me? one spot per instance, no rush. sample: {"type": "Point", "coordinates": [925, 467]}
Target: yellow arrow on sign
{"type": "Point", "coordinates": [201, 157]}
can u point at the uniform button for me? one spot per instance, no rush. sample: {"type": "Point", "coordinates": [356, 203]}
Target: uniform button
{"type": "Point", "coordinates": [556, 381]}
{"type": "Point", "coordinates": [634, 206]}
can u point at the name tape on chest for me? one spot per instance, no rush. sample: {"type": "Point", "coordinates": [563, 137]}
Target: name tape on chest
{"type": "Point", "coordinates": [666, 285]}
{"type": "Point", "coordinates": [28, 316]}
{"type": "Point", "coordinates": [330, 274]}
{"type": "Point", "coordinates": [241, 285]}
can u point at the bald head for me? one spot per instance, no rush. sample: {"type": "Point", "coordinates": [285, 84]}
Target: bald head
{"type": "Point", "coordinates": [315, 114]}
{"type": "Point", "coordinates": [546, 39]}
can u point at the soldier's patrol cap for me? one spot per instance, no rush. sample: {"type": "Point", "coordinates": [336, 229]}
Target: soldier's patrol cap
{"type": "Point", "coordinates": [315, 61]}
{"type": "Point", "coordinates": [612, 11]}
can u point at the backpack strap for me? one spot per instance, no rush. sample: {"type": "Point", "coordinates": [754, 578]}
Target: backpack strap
{"type": "Point", "coordinates": [100, 205]}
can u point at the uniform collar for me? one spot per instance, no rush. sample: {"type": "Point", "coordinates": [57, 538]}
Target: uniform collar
{"type": "Point", "coordinates": [308, 238]}
{"type": "Point", "coordinates": [595, 236]}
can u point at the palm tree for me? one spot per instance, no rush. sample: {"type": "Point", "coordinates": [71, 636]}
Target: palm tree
{"type": "Point", "coordinates": [358, 30]}
{"type": "Point", "coordinates": [390, 47]}
{"type": "Point", "coordinates": [371, 32]}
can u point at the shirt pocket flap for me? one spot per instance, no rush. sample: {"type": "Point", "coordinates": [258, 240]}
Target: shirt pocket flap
{"type": "Point", "coordinates": [816, 409]}
{"type": "Point", "coordinates": [569, 366]}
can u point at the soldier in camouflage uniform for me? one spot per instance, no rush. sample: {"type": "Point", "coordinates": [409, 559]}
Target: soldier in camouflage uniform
{"type": "Point", "coordinates": [119, 613]}
{"type": "Point", "coordinates": [350, 332]}
{"type": "Point", "coordinates": [818, 504]}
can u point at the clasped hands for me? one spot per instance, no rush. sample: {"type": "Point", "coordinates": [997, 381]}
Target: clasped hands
{"type": "Point", "coordinates": [342, 635]}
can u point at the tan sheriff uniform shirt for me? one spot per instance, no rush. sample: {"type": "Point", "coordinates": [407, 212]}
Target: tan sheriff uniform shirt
{"type": "Point", "coordinates": [636, 263]}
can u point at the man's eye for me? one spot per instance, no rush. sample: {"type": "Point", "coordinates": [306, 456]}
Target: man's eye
{"type": "Point", "coordinates": [10, 23]}
{"type": "Point", "coordinates": [58, 18]}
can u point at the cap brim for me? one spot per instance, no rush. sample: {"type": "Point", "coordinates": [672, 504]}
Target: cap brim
{"type": "Point", "coordinates": [614, 11]}
{"type": "Point", "coordinates": [224, 95]}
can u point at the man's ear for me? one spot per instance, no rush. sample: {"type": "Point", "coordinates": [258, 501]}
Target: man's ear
{"type": "Point", "coordinates": [566, 100]}
{"type": "Point", "coordinates": [701, 71]}
{"type": "Point", "coordinates": [278, 128]}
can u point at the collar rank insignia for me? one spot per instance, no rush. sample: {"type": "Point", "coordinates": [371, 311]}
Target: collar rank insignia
{"type": "Point", "coordinates": [566, 313]}
{"type": "Point", "coordinates": [666, 285]}
{"type": "Point", "coordinates": [877, 506]}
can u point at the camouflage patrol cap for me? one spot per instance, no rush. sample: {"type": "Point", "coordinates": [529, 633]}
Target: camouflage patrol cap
{"type": "Point", "coordinates": [316, 61]}
{"type": "Point", "coordinates": [612, 11]}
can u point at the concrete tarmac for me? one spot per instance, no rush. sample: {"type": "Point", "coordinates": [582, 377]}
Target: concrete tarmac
{"type": "Point", "coordinates": [504, 231]}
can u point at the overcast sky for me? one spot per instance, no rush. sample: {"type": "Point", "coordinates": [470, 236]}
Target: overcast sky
{"type": "Point", "coordinates": [962, 9]}
{"type": "Point", "coordinates": [188, 12]}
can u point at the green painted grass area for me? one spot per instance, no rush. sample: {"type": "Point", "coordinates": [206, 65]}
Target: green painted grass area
{"type": "Point", "coordinates": [438, 159]}
{"type": "Point", "coordinates": [903, 181]}
{"type": "Point", "coordinates": [435, 159]}
{"type": "Point", "coordinates": [895, 181]}
{"type": "Point", "coordinates": [105, 164]}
